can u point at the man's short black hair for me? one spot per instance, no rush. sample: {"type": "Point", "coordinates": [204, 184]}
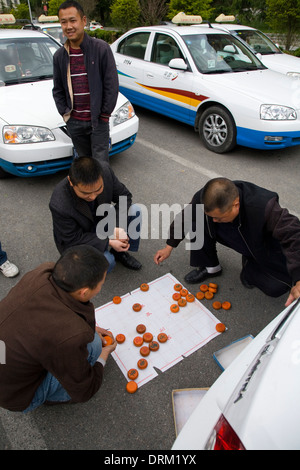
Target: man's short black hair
{"type": "Point", "coordinates": [72, 3]}
{"type": "Point", "coordinates": [78, 267]}
{"type": "Point", "coordinates": [85, 170]}
{"type": "Point", "coordinates": [219, 193]}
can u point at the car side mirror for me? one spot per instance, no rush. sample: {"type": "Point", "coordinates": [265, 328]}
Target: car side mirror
{"type": "Point", "coordinates": [178, 64]}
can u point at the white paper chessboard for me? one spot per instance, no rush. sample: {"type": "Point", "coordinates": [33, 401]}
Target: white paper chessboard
{"type": "Point", "coordinates": [188, 330]}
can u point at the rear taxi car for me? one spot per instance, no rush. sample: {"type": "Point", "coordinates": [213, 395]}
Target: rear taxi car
{"type": "Point", "coordinates": [212, 81]}
{"type": "Point", "coordinates": [33, 137]}
{"type": "Point", "coordinates": [269, 54]}
{"type": "Point", "coordinates": [254, 404]}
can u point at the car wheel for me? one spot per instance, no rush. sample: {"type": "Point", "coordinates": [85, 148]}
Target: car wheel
{"type": "Point", "coordinates": [217, 130]}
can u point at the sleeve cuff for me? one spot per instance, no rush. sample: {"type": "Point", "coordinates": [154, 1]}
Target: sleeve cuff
{"type": "Point", "coordinates": [101, 360]}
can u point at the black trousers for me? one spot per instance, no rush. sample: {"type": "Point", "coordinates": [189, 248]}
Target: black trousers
{"type": "Point", "coordinates": [90, 141]}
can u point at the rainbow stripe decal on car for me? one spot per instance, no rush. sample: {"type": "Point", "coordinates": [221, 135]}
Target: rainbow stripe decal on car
{"type": "Point", "coordinates": [183, 96]}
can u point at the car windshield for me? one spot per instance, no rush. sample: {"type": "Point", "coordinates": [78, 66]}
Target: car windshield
{"type": "Point", "coordinates": [220, 53]}
{"type": "Point", "coordinates": [56, 32]}
{"type": "Point", "coordinates": [258, 41]}
{"type": "Point", "coordinates": [26, 59]}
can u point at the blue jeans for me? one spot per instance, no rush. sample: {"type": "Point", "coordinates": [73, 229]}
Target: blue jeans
{"type": "Point", "coordinates": [134, 213]}
{"type": "Point", "coordinates": [51, 390]}
{"type": "Point", "coordinates": [3, 256]}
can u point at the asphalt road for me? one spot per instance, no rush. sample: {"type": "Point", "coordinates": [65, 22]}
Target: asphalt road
{"type": "Point", "coordinates": [167, 164]}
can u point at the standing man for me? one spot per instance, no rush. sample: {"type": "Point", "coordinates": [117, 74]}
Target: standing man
{"type": "Point", "coordinates": [53, 349]}
{"type": "Point", "coordinates": [85, 84]}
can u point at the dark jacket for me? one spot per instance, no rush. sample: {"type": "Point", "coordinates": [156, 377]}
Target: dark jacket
{"type": "Point", "coordinates": [270, 234]}
{"type": "Point", "coordinates": [102, 77]}
{"type": "Point", "coordinates": [44, 329]}
{"type": "Point", "coordinates": [75, 220]}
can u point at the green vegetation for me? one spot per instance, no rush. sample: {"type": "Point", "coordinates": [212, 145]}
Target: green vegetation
{"type": "Point", "coordinates": [270, 16]}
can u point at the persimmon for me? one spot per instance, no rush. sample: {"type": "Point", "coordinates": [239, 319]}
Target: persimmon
{"type": "Point", "coordinates": [178, 287]}
{"type": "Point", "coordinates": [138, 341]}
{"type": "Point", "coordinates": [174, 308]}
{"type": "Point", "coordinates": [226, 305]}
{"type": "Point", "coordinates": [120, 338]}
{"type": "Point", "coordinates": [217, 305]}
{"type": "Point", "coordinates": [208, 295]}
{"type": "Point", "coordinates": [144, 287]}
{"type": "Point", "coordinates": [203, 287]}
{"type": "Point", "coordinates": [117, 299]}
{"type": "Point", "coordinates": [131, 386]}
{"type": "Point", "coordinates": [137, 307]}
{"type": "Point", "coordinates": [108, 340]}
{"type": "Point", "coordinates": [220, 327]}
{"type": "Point", "coordinates": [132, 374]}
{"type": "Point", "coordinates": [144, 351]}
{"type": "Point", "coordinates": [162, 337]}
{"type": "Point", "coordinates": [200, 295]}
{"type": "Point", "coordinates": [190, 298]}
{"type": "Point", "coordinates": [141, 329]}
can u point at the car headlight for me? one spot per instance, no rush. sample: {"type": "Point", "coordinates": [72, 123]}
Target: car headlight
{"type": "Point", "coordinates": [123, 114]}
{"type": "Point", "coordinates": [26, 134]}
{"type": "Point", "coordinates": [274, 112]}
{"type": "Point", "coordinates": [294, 75]}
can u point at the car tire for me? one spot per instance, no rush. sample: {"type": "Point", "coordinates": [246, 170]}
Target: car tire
{"type": "Point", "coordinates": [217, 130]}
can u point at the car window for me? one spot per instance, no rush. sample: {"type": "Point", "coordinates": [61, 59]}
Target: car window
{"type": "Point", "coordinates": [216, 53]}
{"type": "Point", "coordinates": [258, 42]}
{"type": "Point", "coordinates": [26, 59]}
{"type": "Point", "coordinates": [165, 48]}
{"type": "Point", "coordinates": [134, 45]}
{"type": "Point", "coordinates": [56, 32]}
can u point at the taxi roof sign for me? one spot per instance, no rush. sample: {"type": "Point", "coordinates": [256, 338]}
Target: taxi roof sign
{"type": "Point", "coordinates": [7, 19]}
{"type": "Point", "coordinates": [182, 18]}
{"type": "Point", "coordinates": [48, 19]}
{"type": "Point", "coordinates": [225, 18]}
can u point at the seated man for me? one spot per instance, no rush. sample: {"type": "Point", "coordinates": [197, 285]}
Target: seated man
{"type": "Point", "coordinates": [249, 220]}
{"type": "Point", "coordinates": [53, 352]}
{"type": "Point", "coordinates": [91, 206]}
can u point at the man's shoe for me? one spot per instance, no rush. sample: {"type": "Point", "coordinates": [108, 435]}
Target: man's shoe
{"type": "Point", "coordinates": [199, 275]}
{"type": "Point", "coordinates": [8, 269]}
{"type": "Point", "coordinates": [245, 282]}
{"type": "Point", "coordinates": [127, 260]}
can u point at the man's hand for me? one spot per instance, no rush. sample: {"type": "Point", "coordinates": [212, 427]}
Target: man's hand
{"type": "Point", "coordinates": [120, 240]}
{"type": "Point", "coordinates": [163, 254]}
{"type": "Point", "coordinates": [294, 294]}
{"type": "Point", "coordinates": [106, 350]}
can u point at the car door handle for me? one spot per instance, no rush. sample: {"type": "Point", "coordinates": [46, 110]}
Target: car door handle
{"type": "Point", "coordinates": [150, 75]}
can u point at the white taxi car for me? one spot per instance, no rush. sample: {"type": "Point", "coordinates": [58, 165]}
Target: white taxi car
{"type": "Point", "coordinates": [212, 81]}
{"type": "Point", "coordinates": [270, 55]}
{"type": "Point", "coordinates": [254, 404]}
{"type": "Point", "coordinates": [33, 137]}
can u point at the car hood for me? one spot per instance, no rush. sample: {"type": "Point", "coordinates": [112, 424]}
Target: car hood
{"type": "Point", "coordinates": [283, 63]}
{"type": "Point", "coordinates": [268, 399]}
{"type": "Point", "coordinates": [264, 86]}
{"type": "Point", "coordinates": [30, 104]}
{"type": "Point", "coordinates": [33, 104]}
